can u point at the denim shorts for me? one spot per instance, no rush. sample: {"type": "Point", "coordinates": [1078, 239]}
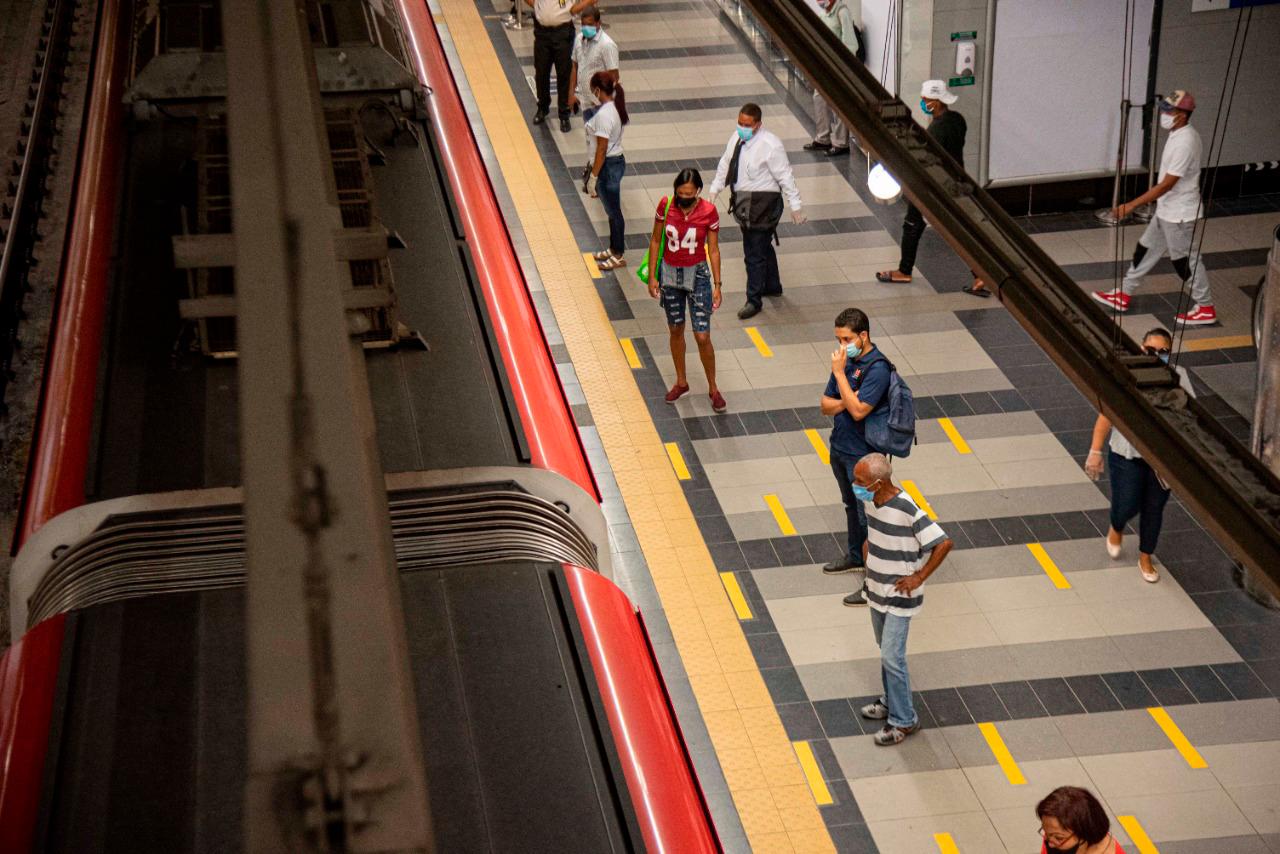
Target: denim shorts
{"type": "Point", "coordinates": [674, 296]}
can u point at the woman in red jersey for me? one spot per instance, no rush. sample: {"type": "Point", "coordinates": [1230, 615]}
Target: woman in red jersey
{"type": "Point", "coordinates": [688, 229]}
{"type": "Point", "coordinates": [1073, 822]}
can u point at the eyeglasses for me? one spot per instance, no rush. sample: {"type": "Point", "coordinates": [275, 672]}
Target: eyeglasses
{"type": "Point", "coordinates": [1156, 351]}
{"type": "Point", "coordinates": [1057, 839]}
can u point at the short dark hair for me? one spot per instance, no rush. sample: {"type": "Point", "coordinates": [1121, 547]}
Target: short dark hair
{"type": "Point", "coordinates": [688, 175]}
{"type": "Point", "coordinates": [753, 110]}
{"type": "Point", "coordinates": [1078, 811]}
{"type": "Point", "coordinates": [1161, 332]}
{"type": "Point", "coordinates": [853, 319]}
{"type": "Point", "coordinates": [591, 13]}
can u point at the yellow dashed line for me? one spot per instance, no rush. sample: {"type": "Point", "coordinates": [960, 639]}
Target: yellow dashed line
{"type": "Point", "coordinates": [1220, 343]}
{"type": "Point", "coordinates": [914, 492]}
{"type": "Point", "coordinates": [1189, 753]}
{"type": "Point", "coordinates": [780, 515]}
{"type": "Point", "coordinates": [629, 349]}
{"type": "Point", "coordinates": [812, 773]}
{"type": "Point", "coordinates": [677, 461]}
{"type": "Point", "coordinates": [946, 845]}
{"type": "Point", "coordinates": [591, 266]}
{"type": "Point", "coordinates": [1050, 568]}
{"type": "Point", "coordinates": [962, 447]}
{"type": "Point", "coordinates": [1139, 836]}
{"type": "Point", "coordinates": [820, 446]}
{"type": "Point", "coordinates": [731, 586]}
{"type": "Point", "coordinates": [758, 340]}
{"type": "Point", "coordinates": [1002, 754]}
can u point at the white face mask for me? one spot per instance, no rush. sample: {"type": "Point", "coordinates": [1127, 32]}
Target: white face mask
{"type": "Point", "coordinates": [1166, 121]}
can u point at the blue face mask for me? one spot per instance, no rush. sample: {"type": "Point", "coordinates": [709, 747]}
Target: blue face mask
{"type": "Point", "coordinates": [924, 105]}
{"type": "Point", "coordinates": [1164, 357]}
{"type": "Point", "coordinates": [589, 32]}
{"type": "Point", "coordinates": [862, 493]}
{"type": "Point", "coordinates": [852, 350]}
{"type": "Point", "coordinates": [745, 134]}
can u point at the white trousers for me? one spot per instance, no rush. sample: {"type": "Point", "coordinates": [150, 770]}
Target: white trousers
{"type": "Point", "coordinates": [1174, 239]}
{"type": "Point", "coordinates": [827, 125]}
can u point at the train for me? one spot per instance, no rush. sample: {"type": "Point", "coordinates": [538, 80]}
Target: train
{"type": "Point", "coordinates": [543, 717]}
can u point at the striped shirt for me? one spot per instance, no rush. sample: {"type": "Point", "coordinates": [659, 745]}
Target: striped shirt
{"type": "Point", "coordinates": [899, 535]}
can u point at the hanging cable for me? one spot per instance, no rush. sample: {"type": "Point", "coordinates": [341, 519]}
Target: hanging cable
{"type": "Point", "coordinates": [1122, 162]}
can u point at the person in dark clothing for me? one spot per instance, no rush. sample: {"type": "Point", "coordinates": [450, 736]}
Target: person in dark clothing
{"type": "Point", "coordinates": [949, 128]}
{"type": "Point", "coordinates": [553, 35]}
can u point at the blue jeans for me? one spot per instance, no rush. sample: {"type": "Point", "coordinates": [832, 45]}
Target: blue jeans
{"type": "Point", "coordinates": [1135, 489]}
{"type": "Point", "coordinates": [677, 290]}
{"type": "Point", "coordinates": [609, 187]}
{"type": "Point", "coordinates": [855, 516]}
{"type": "Point", "coordinates": [891, 636]}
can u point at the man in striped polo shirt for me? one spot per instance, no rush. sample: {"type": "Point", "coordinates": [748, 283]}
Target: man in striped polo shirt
{"type": "Point", "coordinates": [903, 548]}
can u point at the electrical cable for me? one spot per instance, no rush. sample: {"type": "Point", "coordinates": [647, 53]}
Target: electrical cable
{"type": "Point", "coordinates": [1122, 158]}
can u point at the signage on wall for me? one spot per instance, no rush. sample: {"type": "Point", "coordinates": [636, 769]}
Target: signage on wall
{"type": "Point", "coordinates": [1217, 5]}
{"type": "Point", "coordinates": [967, 36]}
{"type": "Point", "coordinates": [953, 82]}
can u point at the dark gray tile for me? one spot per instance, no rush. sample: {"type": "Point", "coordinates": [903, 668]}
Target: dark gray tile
{"type": "Point", "coordinates": [759, 554]}
{"type": "Point", "coordinates": [1129, 690]}
{"type": "Point", "coordinates": [1254, 641]}
{"type": "Point", "coordinates": [769, 650]}
{"type": "Point", "coordinates": [952, 405]}
{"type": "Point", "coordinates": [838, 718]}
{"type": "Point", "coordinates": [823, 547]}
{"type": "Point", "coordinates": [727, 556]}
{"type": "Point", "coordinates": [981, 403]}
{"type": "Point", "coordinates": [756, 423]}
{"type": "Point", "coordinates": [1020, 700]}
{"type": "Point", "coordinates": [1056, 696]}
{"type": "Point", "coordinates": [1093, 694]}
{"type": "Point", "coordinates": [844, 809]}
{"type": "Point", "coordinates": [983, 704]}
{"type": "Point", "coordinates": [784, 420]}
{"type": "Point", "coordinates": [799, 721]}
{"type": "Point", "coordinates": [946, 707]}
{"type": "Point", "coordinates": [784, 685]}
{"type": "Point", "coordinates": [1167, 687]}
{"type": "Point", "coordinates": [827, 761]}
{"type": "Point", "coordinates": [1204, 684]}
{"type": "Point", "coordinates": [1268, 671]}
{"type": "Point", "coordinates": [790, 551]}
{"type": "Point", "coordinates": [1010, 400]}
{"type": "Point", "coordinates": [1012, 530]}
{"type": "Point", "coordinates": [1045, 528]}
{"type": "Point", "coordinates": [980, 532]}
{"type": "Point", "coordinates": [1076, 525]}
{"type": "Point", "coordinates": [715, 529]}
{"type": "Point", "coordinates": [1241, 681]}
{"type": "Point", "coordinates": [853, 839]}
{"type": "Point", "coordinates": [703, 502]}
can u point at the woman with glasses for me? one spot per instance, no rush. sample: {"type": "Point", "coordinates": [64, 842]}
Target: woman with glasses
{"type": "Point", "coordinates": [1136, 489]}
{"type": "Point", "coordinates": [1073, 822]}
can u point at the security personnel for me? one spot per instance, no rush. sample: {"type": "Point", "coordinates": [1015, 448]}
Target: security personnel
{"type": "Point", "coordinates": [553, 45]}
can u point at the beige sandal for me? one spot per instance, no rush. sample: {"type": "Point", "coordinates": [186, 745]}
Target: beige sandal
{"type": "Point", "coordinates": [612, 263]}
{"type": "Point", "coordinates": [1150, 576]}
{"type": "Point", "coordinates": [602, 255]}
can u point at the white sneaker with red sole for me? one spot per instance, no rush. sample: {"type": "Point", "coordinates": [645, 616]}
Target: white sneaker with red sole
{"type": "Point", "coordinates": [1203, 315]}
{"type": "Point", "coordinates": [1117, 300]}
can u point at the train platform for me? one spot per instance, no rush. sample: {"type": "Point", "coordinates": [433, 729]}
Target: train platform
{"type": "Point", "coordinates": [1037, 660]}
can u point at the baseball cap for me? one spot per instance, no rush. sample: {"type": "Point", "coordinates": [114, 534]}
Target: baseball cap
{"type": "Point", "coordinates": [937, 91]}
{"type": "Point", "coordinates": [1178, 99]}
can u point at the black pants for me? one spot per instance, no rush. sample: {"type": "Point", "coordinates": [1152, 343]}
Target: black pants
{"type": "Point", "coordinates": [855, 515]}
{"type": "Point", "coordinates": [553, 46]}
{"type": "Point", "coordinates": [913, 225]}
{"type": "Point", "coordinates": [1136, 491]}
{"type": "Point", "coordinates": [763, 279]}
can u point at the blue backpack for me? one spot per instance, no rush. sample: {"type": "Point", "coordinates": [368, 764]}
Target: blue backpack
{"type": "Point", "coordinates": [893, 432]}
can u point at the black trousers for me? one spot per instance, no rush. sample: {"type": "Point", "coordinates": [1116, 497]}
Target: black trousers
{"type": "Point", "coordinates": [913, 225]}
{"type": "Point", "coordinates": [762, 265]}
{"type": "Point", "coordinates": [553, 46]}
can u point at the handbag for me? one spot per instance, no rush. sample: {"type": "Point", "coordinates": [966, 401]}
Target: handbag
{"type": "Point", "coordinates": [643, 272]}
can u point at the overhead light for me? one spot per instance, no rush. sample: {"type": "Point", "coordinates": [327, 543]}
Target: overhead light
{"type": "Point", "coordinates": [883, 186]}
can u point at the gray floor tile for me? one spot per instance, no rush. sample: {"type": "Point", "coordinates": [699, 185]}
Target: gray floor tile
{"type": "Point", "coordinates": [1236, 722]}
{"type": "Point", "coordinates": [837, 680]}
{"type": "Point", "coordinates": [1027, 740]}
{"type": "Point", "coordinates": [792, 581]}
{"type": "Point", "coordinates": [927, 750]}
{"type": "Point", "coordinates": [1175, 649]}
{"type": "Point", "coordinates": [1226, 845]}
{"type": "Point", "coordinates": [1066, 658]}
{"type": "Point", "coordinates": [982, 665]}
{"type": "Point", "coordinates": [1020, 501]}
{"type": "Point", "coordinates": [1111, 732]}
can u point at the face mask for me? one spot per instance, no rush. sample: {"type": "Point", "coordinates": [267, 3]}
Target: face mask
{"type": "Point", "coordinates": [924, 105]}
{"type": "Point", "coordinates": [686, 203]}
{"type": "Point", "coordinates": [862, 493]}
{"type": "Point", "coordinates": [1051, 850]}
{"type": "Point", "coordinates": [1166, 121]}
{"type": "Point", "coordinates": [589, 32]}
{"type": "Point", "coordinates": [1162, 355]}
{"type": "Point", "coordinates": [852, 350]}
{"type": "Point", "coordinates": [745, 134]}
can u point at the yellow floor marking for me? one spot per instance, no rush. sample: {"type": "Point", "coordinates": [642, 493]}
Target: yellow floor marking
{"type": "Point", "coordinates": [820, 446]}
{"type": "Point", "coordinates": [758, 340]}
{"type": "Point", "coordinates": [914, 492]}
{"type": "Point", "coordinates": [677, 461]}
{"type": "Point", "coordinates": [1050, 568]}
{"type": "Point", "coordinates": [953, 434]}
{"type": "Point", "coordinates": [1189, 753]}
{"type": "Point", "coordinates": [591, 266]}
{"type": "Point", "coordinates": [946, 845]}
{"type": "Point", "coordinates": [1220, 343]}
{"type": "Point", "coordinates": [633, 358]}
{"type": "Point", "coordinates": [731, 586]}
{"type": "Point", "coordinates": [812, 773]}
{"type": "Point", "coordinates": [1002, 754]}
{"type": "Point", "coordinates": [763, 772]}
{"type": "Point", "coordinates": [780, 514]}
{"type": "Point", "coordinates": [1139, 836]}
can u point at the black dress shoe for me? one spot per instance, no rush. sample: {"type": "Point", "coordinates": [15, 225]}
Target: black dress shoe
{"type": "Point", "coordinates": [564, 124]}
{"type": "Point", "coordinates": [539, 117]}
{"type": "Point", "coordinates": [855, 599]}
{"type": "Point", "coordinates": [836, 152]}
{"type": "Point", "coordinates": [748, 310]}
{"type": "Point", "coordinates": [818, 146]}
{"type": "Point", "coordinates": [848, 563]}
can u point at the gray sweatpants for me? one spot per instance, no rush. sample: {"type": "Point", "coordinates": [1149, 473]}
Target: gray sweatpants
{"type": "Point", "coordinates": [1173, 238]}
{"type": "Point", "coordinates": [827, 125]}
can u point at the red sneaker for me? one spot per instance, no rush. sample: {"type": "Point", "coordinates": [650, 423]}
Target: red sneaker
{"type": "Point", "coordinates": [717, 402]}
{"type": "Point", "coordinates": [677, 391]}
{"type": "Point", "coordinates": [1117, 300]}
{"type": "Point", "coordinates": [1203, 315]}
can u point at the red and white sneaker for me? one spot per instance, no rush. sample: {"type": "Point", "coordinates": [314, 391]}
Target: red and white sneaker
{"type": "Point", "coordinates": [1203, 315]}
{"type": "Point", "coordinates": [677, 391]}
{"type": "Point", "coordinates": [1117, 300]}
{"type": "Point", "coordinates": [717, 403]}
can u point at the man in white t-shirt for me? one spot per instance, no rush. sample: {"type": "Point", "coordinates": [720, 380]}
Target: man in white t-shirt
{"type": "Point", "coordinates": [1178, 206]}
{"type": "Point", "coordinates": [593, 51]}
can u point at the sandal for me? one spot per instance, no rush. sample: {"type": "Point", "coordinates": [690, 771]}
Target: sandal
{"type": "Point", "coordinates": [886, 276]}
{"type": "Point", "coordinates": [602, 255]}
{"type": "Point", "coordinates": [976, 291]}
{"type": "Point", "coordinates": [612, 263]}
{"type": "Point", "coordinates": [1150, 576]}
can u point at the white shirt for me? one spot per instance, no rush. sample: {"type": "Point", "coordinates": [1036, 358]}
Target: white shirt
{"type": "Point", "coordinates": [606, 123]}
{"type": "Point", "coordinates": [552, 13]}
{"type": "Point", "coordinates": [592, 55]}
{"type": "Point", "coordinates": [1122, 446]}
{"type": "Point", "coordinates": [763, 166]}
{"type": "Point", "coordinates": [1181, 157]}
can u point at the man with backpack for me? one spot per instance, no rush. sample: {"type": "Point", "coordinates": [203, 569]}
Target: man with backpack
{"type": "Point", "coordinates": [856, 396]}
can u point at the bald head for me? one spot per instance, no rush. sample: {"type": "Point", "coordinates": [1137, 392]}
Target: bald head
{"type": "Point", "coordinates": [874, 467]}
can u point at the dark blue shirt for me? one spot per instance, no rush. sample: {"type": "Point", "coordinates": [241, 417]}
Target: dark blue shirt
{"type": "Point", "coordinates": [869, 376]}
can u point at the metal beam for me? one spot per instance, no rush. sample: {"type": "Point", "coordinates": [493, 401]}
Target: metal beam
{"type": "Point", "coordinates": [1227, 487]}
{"type": "Point", "coordinates": [334, 757]}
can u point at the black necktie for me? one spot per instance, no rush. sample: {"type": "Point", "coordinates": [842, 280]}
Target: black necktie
{"type": "Point", "coordinates": [733, 164]}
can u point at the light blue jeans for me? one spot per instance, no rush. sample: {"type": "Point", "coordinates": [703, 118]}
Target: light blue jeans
{"type": "Point", "coordinates": [891, 636]}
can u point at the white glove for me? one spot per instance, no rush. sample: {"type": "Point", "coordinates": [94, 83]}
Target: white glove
{"type": "Point", "coordinates": [591, 185]}
{"type": "Point", "coordinates": [1093, 465]}
{"type": "Point", "coordinates": [798, 217]}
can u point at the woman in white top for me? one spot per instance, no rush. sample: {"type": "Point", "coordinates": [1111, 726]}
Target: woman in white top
{"type": "Point", "coordinates": [608, 164]}
{"type": "Point", "coordinates": [1136, 489]}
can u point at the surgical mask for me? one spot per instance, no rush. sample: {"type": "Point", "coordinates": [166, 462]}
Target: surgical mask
{"type": "Point", "coordinates": [589, 32]}
{"type": "Point", "coordinates": [1166, 121]}
{"type": "Point", "coordinates": [862, 493]}
{"type": "Point", "coordinates": [745, 134]}
{"type": "Point", "coordinates": [852, 350]}
{"type": "Point", "coordinates": [1162, 355]}
{"type": "Point", "coordinates": [686, 203]}
{"type": "Point", "coordinates": [924, 105]}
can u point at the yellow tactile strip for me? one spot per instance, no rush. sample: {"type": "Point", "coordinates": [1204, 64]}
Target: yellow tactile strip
{"type": "Point", "coordinates": [769, 788]}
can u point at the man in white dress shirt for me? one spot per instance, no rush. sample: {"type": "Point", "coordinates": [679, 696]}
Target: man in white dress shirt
{"type": "Point", "coordinates": [756, 171]}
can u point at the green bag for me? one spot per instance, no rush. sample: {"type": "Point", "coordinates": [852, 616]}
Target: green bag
{"type": "Point", "coordinates": [642, 272]}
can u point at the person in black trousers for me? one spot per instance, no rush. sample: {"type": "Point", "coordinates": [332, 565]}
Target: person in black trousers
{"type": "Point", "coordinates": [949, 128]}
{"type": "Point", "coordinates": [553, 35]}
